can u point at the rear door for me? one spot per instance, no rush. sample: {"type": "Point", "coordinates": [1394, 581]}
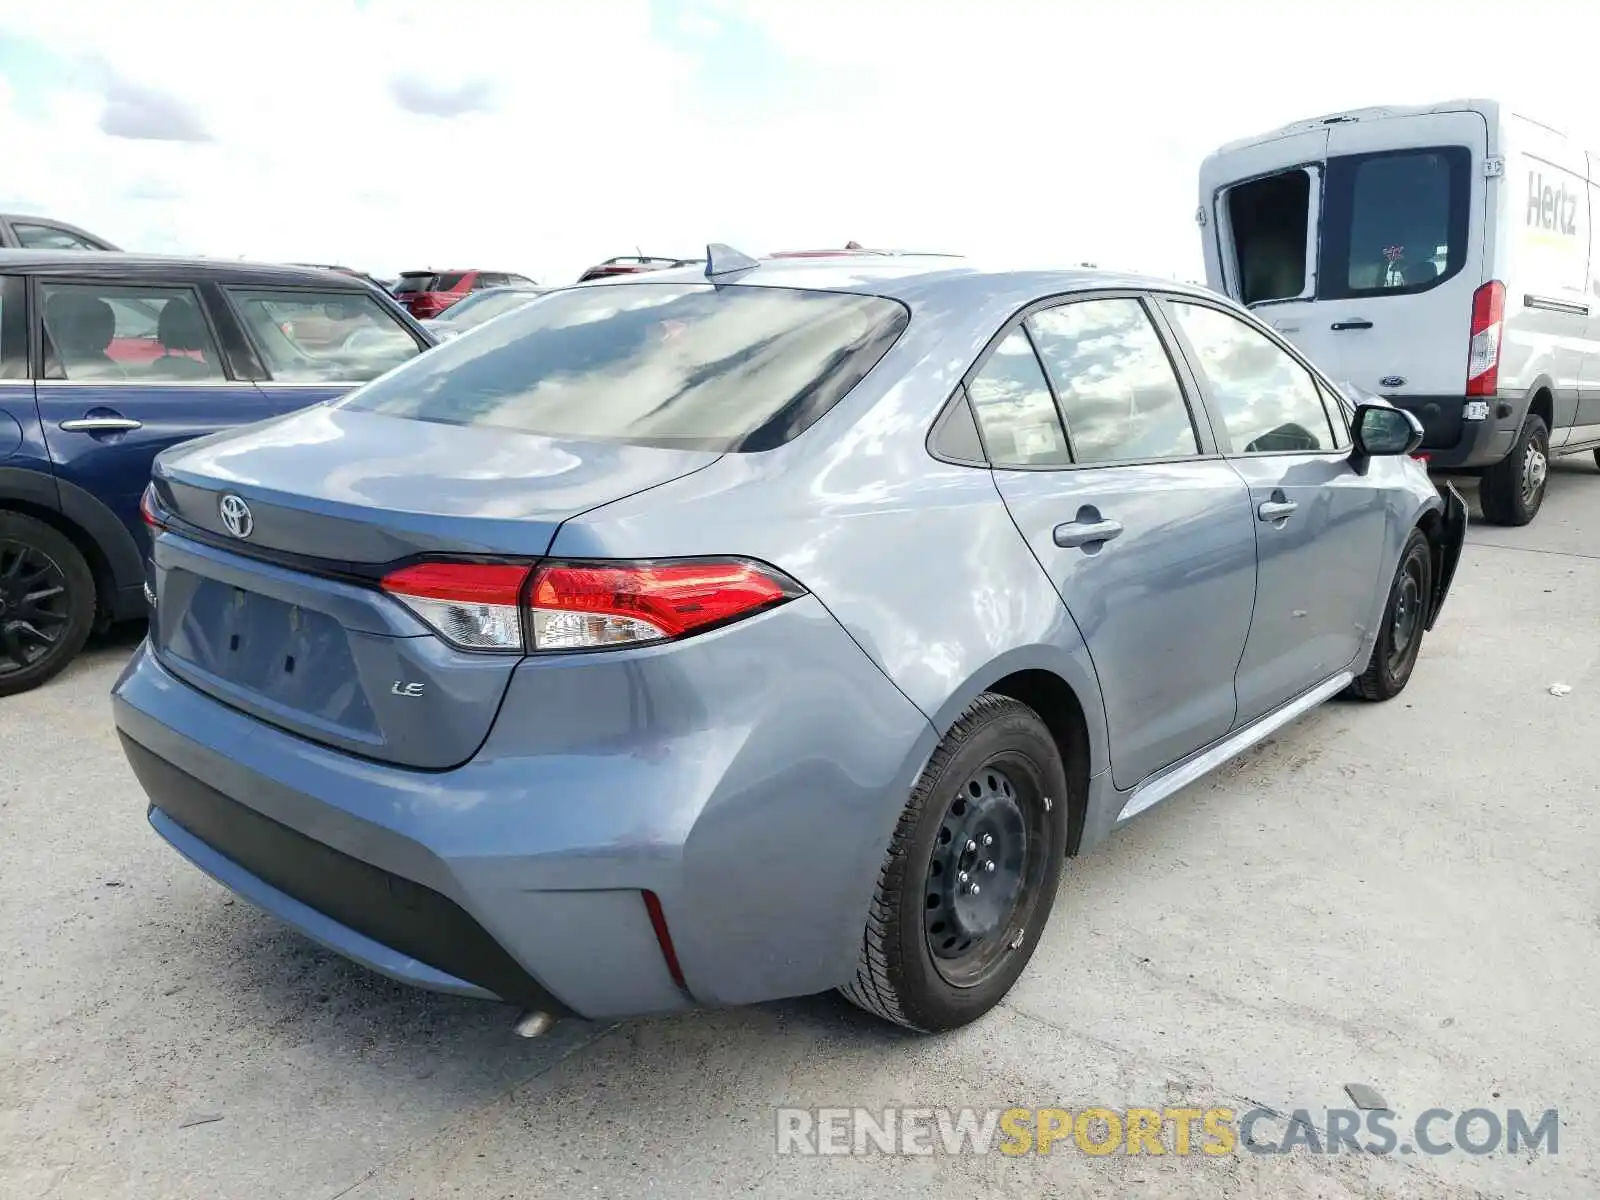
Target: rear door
{"type": "Point", "coordinates": [1258, 218]}
{"type": "Point", "coordinates": [316, 344]}
{"type": "Point", "coordinates": [1401, 252]}
{"type": "Point", "coordinates": [1144, 531]}
{"type": "Point", "coordinates": [128, 368]}
{"type": "Point", "coordinates": [1318, 525]}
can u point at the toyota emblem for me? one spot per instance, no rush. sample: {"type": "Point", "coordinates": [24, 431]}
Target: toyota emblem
{"type": "Point", "coordinates": [236, 515]}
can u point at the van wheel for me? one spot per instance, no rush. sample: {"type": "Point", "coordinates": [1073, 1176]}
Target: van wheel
{"type": "Point", "coordinates": [47, 602]}
{"type": "Point", "coordinates": [971, 873]}
{"type": "Point", "coordinates": [1394, 656]}
{"type": "Point", "coordinates": [1512, 490]}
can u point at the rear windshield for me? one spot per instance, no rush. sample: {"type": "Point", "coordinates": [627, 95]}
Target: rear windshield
{"type": "Point", "coordinates": [686, 366]}
{"type": "Point", "coordinates": [414, 283]}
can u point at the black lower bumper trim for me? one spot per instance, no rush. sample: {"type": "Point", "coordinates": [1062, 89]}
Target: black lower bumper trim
{"type": "Point", "coordinates": [391, 910]}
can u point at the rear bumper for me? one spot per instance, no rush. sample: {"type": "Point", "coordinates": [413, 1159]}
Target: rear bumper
{"type": "Point", "coordinates": [1453, 441]}
{"type": "Point", "coordinates": [749, 778]}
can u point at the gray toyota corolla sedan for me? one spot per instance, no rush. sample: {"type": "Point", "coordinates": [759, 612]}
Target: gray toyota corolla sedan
{"type": "Point", "coordinates": [734, 633]}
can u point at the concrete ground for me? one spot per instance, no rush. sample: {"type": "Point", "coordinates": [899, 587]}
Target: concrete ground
{"type": "Point", "coordinates": [1401, 895]}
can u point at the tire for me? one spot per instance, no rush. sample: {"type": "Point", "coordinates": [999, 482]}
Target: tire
{"type": "Point", "coordinates": [1512, 491]}
{"type": "Point", "coordinates": [40, 634]}
{"type": "Point", "coordinates": [1597, 458]}
{"type": "Point", "coordinates": [1404, 616]}
{"type": "Point", "coordinates": [998, 769]}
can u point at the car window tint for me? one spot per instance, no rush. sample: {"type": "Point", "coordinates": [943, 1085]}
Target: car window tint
{"type": "Point", "coordinates": [685, 365]}
{"type": "Point", "coordinates": [48, 237]}
{"type": "Point", "coordinates": [1268, 402]}
{"type": "Point", "coordinates": [323, 337]}
{"type": "Point", "coordinates": [134, 333]}
{"type": "Point", "coordinates": [1015, 409]}
{"type": "Point", "coordinates": [1117, 388]}
{"type": "Point", "coordinates": [448, 283]}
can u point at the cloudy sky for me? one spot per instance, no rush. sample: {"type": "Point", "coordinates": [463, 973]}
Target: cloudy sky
{"type": "Point", "coordinates": [540, 136]}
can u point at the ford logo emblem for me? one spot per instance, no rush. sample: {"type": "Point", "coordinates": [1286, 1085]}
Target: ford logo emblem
{"type": "Point", "coordinates": [1392, 381]}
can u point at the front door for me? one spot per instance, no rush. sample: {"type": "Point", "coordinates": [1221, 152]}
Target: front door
{"type": "Point", "coordinates": [130, 368]}
{"type": "Point", "coordinates": [1319, 526]}
{"type": "Point", "coordinates": [1149, 543]}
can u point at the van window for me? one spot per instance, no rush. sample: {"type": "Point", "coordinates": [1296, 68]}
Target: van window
{"type": "Point", "coordinates": [1268, 218]}
{"type": "Point", "coordinates": [1394, 223]}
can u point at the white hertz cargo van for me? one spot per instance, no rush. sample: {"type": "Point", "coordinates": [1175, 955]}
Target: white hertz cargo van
{"type": "Point", "coordinates": [1439, 256]}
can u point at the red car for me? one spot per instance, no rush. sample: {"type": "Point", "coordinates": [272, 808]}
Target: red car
{"type": "Point", "coordinates": [428, 293]}
{"type": "Point", "coordinates": [634, 264]}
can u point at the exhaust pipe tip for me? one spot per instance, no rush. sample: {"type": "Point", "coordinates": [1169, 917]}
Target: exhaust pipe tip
{"type": "Point", "coordinates": [533, 1023]}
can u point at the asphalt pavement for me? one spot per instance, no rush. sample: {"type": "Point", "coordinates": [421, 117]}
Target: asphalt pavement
{"type": "Point", "coordinates": [1401, 895]}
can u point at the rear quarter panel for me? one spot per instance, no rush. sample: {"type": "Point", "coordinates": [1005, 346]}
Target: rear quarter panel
{"type": "Point", "coordinates": [919, 560]}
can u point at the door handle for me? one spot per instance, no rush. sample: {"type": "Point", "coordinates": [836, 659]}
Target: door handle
{"type": "Point", "coordinates": [1085, 533]}
{"type": "Point", "coordinates": [101, 425]}
{"type": "Point", "coordinates": [1275, 510]}
{"type": "Point", "coordinates": [1356, 323]}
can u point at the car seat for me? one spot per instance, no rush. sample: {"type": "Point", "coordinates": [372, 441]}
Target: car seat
{"type": "Point", "coordinates": [181, 329]}
{"type": "Point", "coordinates": [82, 327]}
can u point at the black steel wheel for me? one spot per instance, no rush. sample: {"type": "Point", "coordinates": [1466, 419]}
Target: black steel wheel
{"type": "Point", "coordinates": [1512, 491]}
{"type": "Point", "coordinates": [971, 872]}
{"type": "Point", "coordinates": [47, 602]}
{"type": "Point", "coordinates": [1394, 656]}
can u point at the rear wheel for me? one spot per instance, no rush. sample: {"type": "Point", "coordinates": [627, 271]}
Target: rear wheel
{"type": "Point", "coordinates": [47, 602]}
{"type": "Point", "coordinates": [1400, 636]}
{"type": "Point", "coordinates": [1512, 490]}
{"type": "Point", "coordinates": [971, 873]}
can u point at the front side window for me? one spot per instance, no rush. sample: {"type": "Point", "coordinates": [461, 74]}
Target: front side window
{"type": "Point", "coordinates": [1267, 401]}
{"type": "Point", "coordinates": [127, 333]}
{"type": "Point", "coordinates": [687, 366]}
{"type": "Point", "coordinates": [1015, 410]}
{"type": "Point", "coordinates": [322, 337]}
{"type": "Point", "coordinates": [1118, 391]}
{"type": "Point", "coordinates": [1394, 223]}
{"type": "Point", "coordinates": [49, 237]}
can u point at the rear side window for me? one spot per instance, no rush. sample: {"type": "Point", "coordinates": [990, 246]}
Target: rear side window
{"type": "Point", "coordinates": [691, 366]}
{"type": "Point", "coordinates": [413, 283]}
{"type": "Point", "coordinates": [1116, 385]}
{"type": "Point", "coordinates": [1394, 223]}
{"type": "Point", "coordinates": [127, 333]}
{"type": "Point", "coordinates": [1268, 402]}
{"type": "Point", "coordinates": [1015, 410]}
{"type": "Point", "coordinates": [322, 337]}
{"type": "Point", "coordinates": [1270, 218]}
{"type": "Point", "coordinates": [447, 283]}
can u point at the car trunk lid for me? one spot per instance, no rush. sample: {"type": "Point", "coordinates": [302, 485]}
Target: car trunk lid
{"type": "Point", "coordinates": [266, 579]}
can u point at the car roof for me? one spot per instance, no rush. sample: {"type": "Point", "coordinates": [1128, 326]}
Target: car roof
{"type": "Point", "coordinates": [103, 263]}
{"type": "Point", "coordinates": [918, 279]}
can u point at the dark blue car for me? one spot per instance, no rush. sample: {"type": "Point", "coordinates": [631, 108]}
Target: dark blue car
{"type": "Point", "coordinates": [107, 359]}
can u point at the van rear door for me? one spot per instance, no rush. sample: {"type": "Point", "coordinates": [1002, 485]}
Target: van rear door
{"type": "Point", "coordinates": [1258, 215]}
{"type": "Point", "coordinates": [1401, 254]}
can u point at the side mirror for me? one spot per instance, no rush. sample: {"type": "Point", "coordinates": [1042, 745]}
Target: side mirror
{"type": "Point", "coordinates": [1382, 432]}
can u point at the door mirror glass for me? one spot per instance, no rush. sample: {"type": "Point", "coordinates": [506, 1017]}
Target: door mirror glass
{"type": "Point", "coordinates": [1383, 431]}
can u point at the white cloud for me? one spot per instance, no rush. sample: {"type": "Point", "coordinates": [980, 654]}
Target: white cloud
{"type": "Point", "coordinates": [1018, 128]}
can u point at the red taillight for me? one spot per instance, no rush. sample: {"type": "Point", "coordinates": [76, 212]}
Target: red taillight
{"type": "Point", "coordinates": [658, 922]}
{"type": "Point", "coordinates": [148, 511]}
{"type": "Point", "coordinates": [473, 605]}
{"type": "Point", "coordinates": [1483, 353]}
{"type": "Point", "coordinates": [581, 606]}
{"type": "Point", "coordinates": [584, 605]}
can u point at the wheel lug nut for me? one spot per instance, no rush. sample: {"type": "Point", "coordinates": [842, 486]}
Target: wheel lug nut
{"type": "Point", "coordinates": [962, 877]}
{"type": "Point", "coordinates": [971, 845]}
{"type": "Point", "coordinates": [974, 889]}
{"type": "Point", "coordinates": [988, 839]}
{"type": "Point", "coordinates": [988, 866]}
